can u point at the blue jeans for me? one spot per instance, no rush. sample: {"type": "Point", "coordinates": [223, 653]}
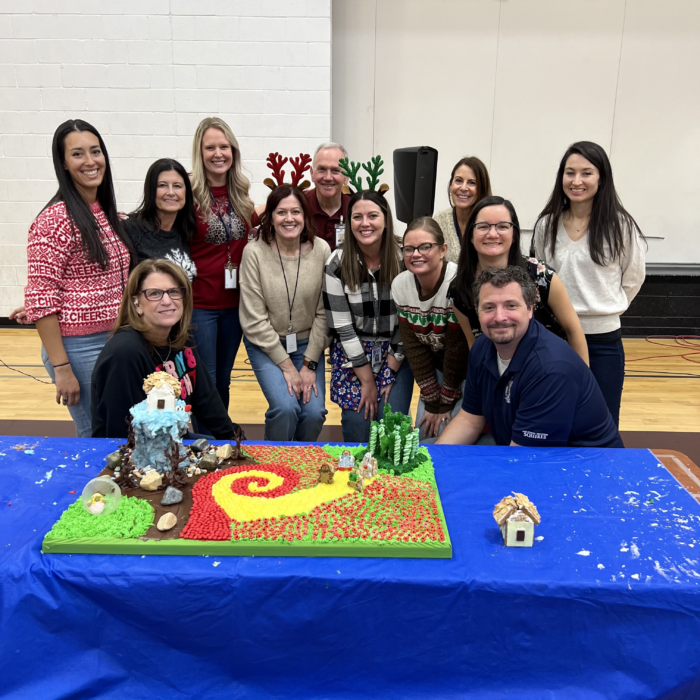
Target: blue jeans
{"type": "Point", "coordinates": [288, 418]}
{"type": "Point", "coordinates": [218, 336]}
{"type": "Point", "coordinates": [607, 362]}
{"type": "Point", "coordinates": [421, 410]}
{"type": "Point", "coordinates": [82, 351]}
{"type": "Point", "coordinates": [356, 427]}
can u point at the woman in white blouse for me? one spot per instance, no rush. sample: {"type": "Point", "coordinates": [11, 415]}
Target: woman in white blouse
{"type": "Point", "coordinates": [598, 251]}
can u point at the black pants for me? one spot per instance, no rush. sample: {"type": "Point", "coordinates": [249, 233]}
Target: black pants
{"type": "Point", "coordinates": [607, 360]}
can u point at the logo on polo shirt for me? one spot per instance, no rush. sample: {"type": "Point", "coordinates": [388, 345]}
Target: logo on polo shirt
{"type": "Point", "coordinates": [535, 436]}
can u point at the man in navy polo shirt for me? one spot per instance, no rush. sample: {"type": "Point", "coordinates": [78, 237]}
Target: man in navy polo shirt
{"type": "Point", "coordinates": [529, 386]}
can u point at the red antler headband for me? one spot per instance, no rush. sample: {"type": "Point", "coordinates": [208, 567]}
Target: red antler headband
{"type": "Point", "coordinates": [301, 164]}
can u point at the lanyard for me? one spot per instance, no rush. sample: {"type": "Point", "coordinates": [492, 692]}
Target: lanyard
{"type": "Point", "coordinates": [227, 229]}
{"type": "Point", "coordinates": [290, 304]}
{"type": "Point", "coordinates": [454, 216]}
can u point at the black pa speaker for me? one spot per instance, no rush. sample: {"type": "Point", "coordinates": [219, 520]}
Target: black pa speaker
{"type": "Point", "coordinates": [415, 176]}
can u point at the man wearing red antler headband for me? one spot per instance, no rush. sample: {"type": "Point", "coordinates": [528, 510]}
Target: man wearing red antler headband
{"type": "Point", "coordinates": [327, 202]}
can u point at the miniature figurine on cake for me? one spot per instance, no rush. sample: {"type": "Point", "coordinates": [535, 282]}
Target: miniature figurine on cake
{"type": "Point", "coordinates": [346, 460]}
{"type": "Point", "coordinates": [157, 420]}
{"type": "Point", "coordinates": [325, 473]}
{"type": "Point", "coordinates": [517, 516]}
{"type": "Point", "coordinates": [369, 467]}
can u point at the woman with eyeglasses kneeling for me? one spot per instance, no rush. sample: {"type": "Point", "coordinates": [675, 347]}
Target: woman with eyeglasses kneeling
{"type": "Point", "coordinates": [492, 241]}
{"type": "Point", "coordinates": [153, 334]}
{"type": "Point", "coordinates": [283, 318]}
{"type": "Point", "coordinates": [435, 346]}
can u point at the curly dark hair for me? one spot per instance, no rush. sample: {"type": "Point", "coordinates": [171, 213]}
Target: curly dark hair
{"type": "Point", "coordinates": [501, 278]}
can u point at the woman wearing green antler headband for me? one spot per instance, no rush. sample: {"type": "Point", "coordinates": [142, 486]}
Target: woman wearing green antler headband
{"type": "Point", "coordinates": [367, 353]}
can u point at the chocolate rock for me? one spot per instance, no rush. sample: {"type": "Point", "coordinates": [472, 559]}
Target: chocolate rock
{"type": "Point", "coordinates": [171, 496]}
{"type": "Point", "coordinates": [151, 482]}
{"type": "Point", "coordinates": [224, 451]}
{"type": "Point", "coordinates": [167, 522]}
{"type": "Point", "coordinates": [200, 445]}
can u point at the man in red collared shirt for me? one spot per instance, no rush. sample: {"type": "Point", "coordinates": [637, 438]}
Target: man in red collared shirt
{"type": "Point", "coordinates": [327, 202]}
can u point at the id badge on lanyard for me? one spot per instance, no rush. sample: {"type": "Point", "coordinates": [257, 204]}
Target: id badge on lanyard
{"type": "Point", "coordinates": [339, 233]}
{"type": "Point", "coordinates": [230, 276]}
{"type": "Point", "coordinates": [376, 357]}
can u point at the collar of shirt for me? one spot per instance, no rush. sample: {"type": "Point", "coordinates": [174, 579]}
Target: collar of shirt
{"type": "Point", "coordinates": [522, 352]}
{"type": "Point", "coordinates": [316, 210]}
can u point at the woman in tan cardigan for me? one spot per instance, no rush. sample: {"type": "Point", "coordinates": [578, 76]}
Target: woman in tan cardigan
{"type": "Point", "coordinates": [283, 318]}
{"type": "Point", "coordinates": [469, 184]}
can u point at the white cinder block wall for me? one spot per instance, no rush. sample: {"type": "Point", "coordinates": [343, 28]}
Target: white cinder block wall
{"type": "Point", "coordinates": [145, 72]}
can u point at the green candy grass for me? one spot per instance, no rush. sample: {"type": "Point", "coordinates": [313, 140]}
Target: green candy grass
{"type": "Point", "coordinates": [131, 519]}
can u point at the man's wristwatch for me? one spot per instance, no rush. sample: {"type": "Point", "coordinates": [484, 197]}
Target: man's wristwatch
{"type": "Point", "coordinates": [310, 364]}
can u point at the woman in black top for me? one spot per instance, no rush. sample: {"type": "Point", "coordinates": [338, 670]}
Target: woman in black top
{"type": "Point", "coordinates": [492, 240]}
{"type": "Point", "coordinates": [153, 334]}
{"type": "Point", "coordinates": [165, 222]}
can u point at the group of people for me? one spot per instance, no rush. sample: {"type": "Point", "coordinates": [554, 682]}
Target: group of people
{"type": "Point", "coordinates": [178, 283]}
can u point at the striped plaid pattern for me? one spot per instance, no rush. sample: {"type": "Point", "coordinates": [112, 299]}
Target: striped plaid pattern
{"type": "Point", "coordinates": [366, 314]}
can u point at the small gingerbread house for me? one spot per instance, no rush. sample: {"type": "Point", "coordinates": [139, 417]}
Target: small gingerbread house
{"type": "Point", "coordinates": [161, 391]}
{"type": "Point", "coordinates": [517, 516]}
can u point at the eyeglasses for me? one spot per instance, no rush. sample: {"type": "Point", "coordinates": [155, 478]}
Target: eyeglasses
{"type": "Point", "coordinates": [501, 227]}
{"type": "Point", "coordinates": [157, 294]}
{"type": "Point", "coordinates": [424, 248]}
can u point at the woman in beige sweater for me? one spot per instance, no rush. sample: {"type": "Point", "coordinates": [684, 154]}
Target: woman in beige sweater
{"type": "Point", "coordinates": [469, 184]}
{"type": "Point", "coordinates": [283, 318]}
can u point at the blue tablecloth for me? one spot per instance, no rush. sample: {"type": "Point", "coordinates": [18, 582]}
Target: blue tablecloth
{"type": "Point", "coordinates": [605, 605]}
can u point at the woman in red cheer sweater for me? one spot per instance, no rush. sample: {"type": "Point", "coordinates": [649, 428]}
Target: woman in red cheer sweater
{"type": "Point", "coordinates": [225, 214]}
{"type": "Point", "coordinates": [78, 263]}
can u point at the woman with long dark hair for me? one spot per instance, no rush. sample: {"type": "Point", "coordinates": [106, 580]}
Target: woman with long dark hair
{"type": "Point", "coordinates": [469, 184]}
{"type": "Point", "coordinates": [283, 318]}
{"type": "Point", "coordinates": [598, 251]}
{"type": "Point", "coordinates": [367, 351]}
{"type": "Point", "coordinates": [78, 262]}
{"type": "Point", "coordinates": [165, 222]}
{"type": "Point", "coordinates": [492, 241]}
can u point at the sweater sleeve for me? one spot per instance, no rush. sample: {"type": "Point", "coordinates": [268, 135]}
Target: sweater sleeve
{"type": "Point", "coordinates": [454, 366]}
{"type": "Point", "coordinates": [319, 338]}
{"type": "Point", "coordinates": [207, 405]}
{"type": "Point", "coordinates": [338, 314]}
{"type": "Point", "coordinates": [49, 248]}
{"type": "Point", "coordinates": [254, 316]}
{"type": "Point", "coordinates": [420, 358]}
{"type": "Point", "coordinates": [117, 383]}
{"type": "Point", "coordinates": [633, 264]}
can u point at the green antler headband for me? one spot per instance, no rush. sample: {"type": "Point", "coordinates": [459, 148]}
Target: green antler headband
{"type": "Point", "coordinates": [374, 169]}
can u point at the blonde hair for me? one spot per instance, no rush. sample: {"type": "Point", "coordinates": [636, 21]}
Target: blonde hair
{"type": "Point", "coordinates": [129, 317]}
{"type": "Point", "coordinates": [352, 272]}
{"type": "Point", "coordinates": [237, 183]}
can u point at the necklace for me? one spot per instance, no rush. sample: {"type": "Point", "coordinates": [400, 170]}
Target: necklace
{"type": "Point", "coordinates": [167, 357]}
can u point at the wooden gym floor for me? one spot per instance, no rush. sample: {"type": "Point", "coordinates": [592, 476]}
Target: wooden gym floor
{"type": "Point", "coordinates": [661, 394]}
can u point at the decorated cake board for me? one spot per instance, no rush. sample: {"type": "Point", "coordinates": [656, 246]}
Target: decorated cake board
{"type": "Point", "coordinates": [271, 503]}
{"type": "Point", "coordinates": [158, 496]}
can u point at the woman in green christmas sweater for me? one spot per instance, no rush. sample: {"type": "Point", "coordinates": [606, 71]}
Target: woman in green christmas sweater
{"type": "Point", "coordinates": [435, 346]}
